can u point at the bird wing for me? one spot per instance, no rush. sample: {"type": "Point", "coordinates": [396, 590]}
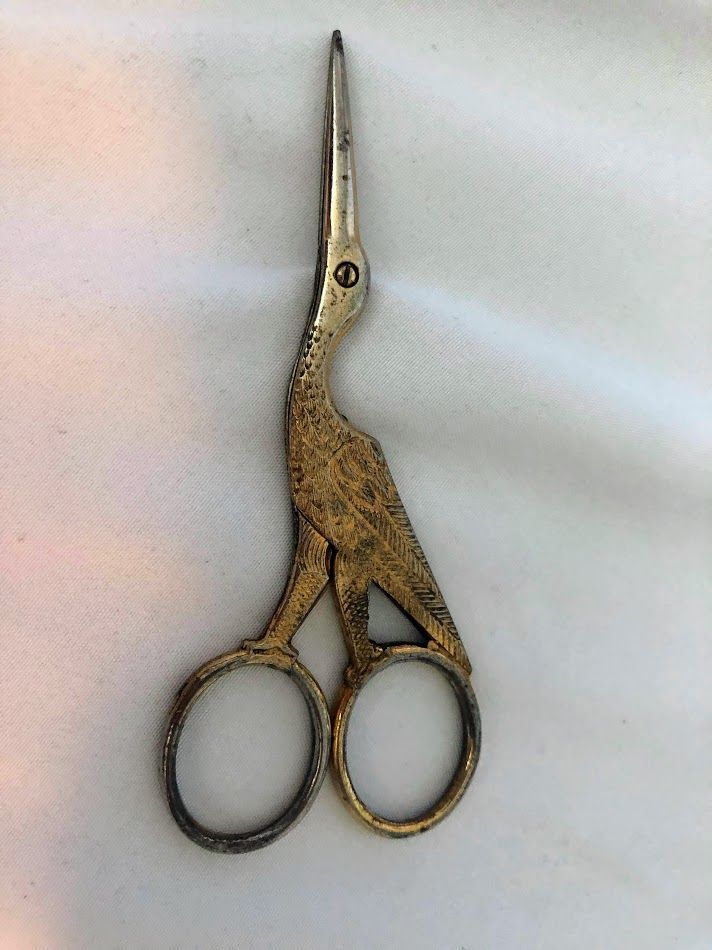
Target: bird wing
{"type": "Point", "coordinates": [361, 476]}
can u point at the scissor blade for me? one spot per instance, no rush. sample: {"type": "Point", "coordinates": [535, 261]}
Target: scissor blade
{"type": "Point", "coordinates": [338, 200]}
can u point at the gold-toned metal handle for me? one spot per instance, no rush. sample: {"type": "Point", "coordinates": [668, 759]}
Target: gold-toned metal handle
{"type": "Point", "coordinates": [199, 682]}
{"type": "Point", "coordinates": [461, 686]}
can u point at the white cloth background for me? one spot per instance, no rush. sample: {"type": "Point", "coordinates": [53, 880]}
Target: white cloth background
{"type": "Point", "coordinates": [534, 182]}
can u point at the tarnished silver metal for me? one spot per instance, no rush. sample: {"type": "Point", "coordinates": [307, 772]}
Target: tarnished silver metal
{"type": "Point", "coordinates": [199, 682]}
{"type": "Point", "coordinates": [351, 531]}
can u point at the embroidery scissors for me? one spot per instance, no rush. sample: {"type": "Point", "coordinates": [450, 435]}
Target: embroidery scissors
{"type": "Point", "coordinates": [351, 531]}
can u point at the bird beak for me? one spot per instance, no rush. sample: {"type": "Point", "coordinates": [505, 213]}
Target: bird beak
{"type": "Point", "coordinates": [339, 211]}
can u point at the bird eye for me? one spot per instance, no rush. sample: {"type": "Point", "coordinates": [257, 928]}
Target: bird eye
{"type": "Point", "coordinates": [346, 274]}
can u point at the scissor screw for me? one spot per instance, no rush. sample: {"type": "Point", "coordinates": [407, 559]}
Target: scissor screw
{"type": "Point", "coordinates": [346, 274]}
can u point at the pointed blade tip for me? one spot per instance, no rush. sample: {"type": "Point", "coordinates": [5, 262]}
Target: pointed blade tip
{"type": "Point", "coordinates": [339, 211]}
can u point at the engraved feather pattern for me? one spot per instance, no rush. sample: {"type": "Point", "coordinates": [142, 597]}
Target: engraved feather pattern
{"type": "Point", "coordinates": [361, 476]}
{"type": "Point", "coordinates": [342, 485]}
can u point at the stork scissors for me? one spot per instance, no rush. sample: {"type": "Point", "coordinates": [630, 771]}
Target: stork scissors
{"type": "Point", "coordinates": [351, 530]}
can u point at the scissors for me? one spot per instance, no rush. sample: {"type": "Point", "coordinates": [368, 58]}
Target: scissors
{"type": "Point", "coordinates": [351, 530]}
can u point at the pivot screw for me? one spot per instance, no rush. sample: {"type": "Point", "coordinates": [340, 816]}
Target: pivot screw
{"type": "Point", "coordinates": [346, 274]}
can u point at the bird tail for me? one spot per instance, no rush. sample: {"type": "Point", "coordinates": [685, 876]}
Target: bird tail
{"type": "Point", "coordinates": [428, 609]}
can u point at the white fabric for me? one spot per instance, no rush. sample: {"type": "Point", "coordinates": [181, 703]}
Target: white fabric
{"type": "Point", "coordinates": [534, 358]}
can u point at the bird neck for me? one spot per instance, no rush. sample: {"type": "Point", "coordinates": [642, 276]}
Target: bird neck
{"type": "Point", "coordinates": [314, 355]}
{"type": "Point", "coordinates": [310, 382]}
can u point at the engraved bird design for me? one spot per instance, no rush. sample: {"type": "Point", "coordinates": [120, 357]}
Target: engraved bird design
{"type": "Point", "coordinates": [352, 527]}
{"type": "Point", "coordinates": [352, 531]}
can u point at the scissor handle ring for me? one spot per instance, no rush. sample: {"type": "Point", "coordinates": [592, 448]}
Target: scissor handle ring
{"type": "Point", "coordinates": [199, 682]}
{"type": "Point", "coordinates": [461, 686]}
